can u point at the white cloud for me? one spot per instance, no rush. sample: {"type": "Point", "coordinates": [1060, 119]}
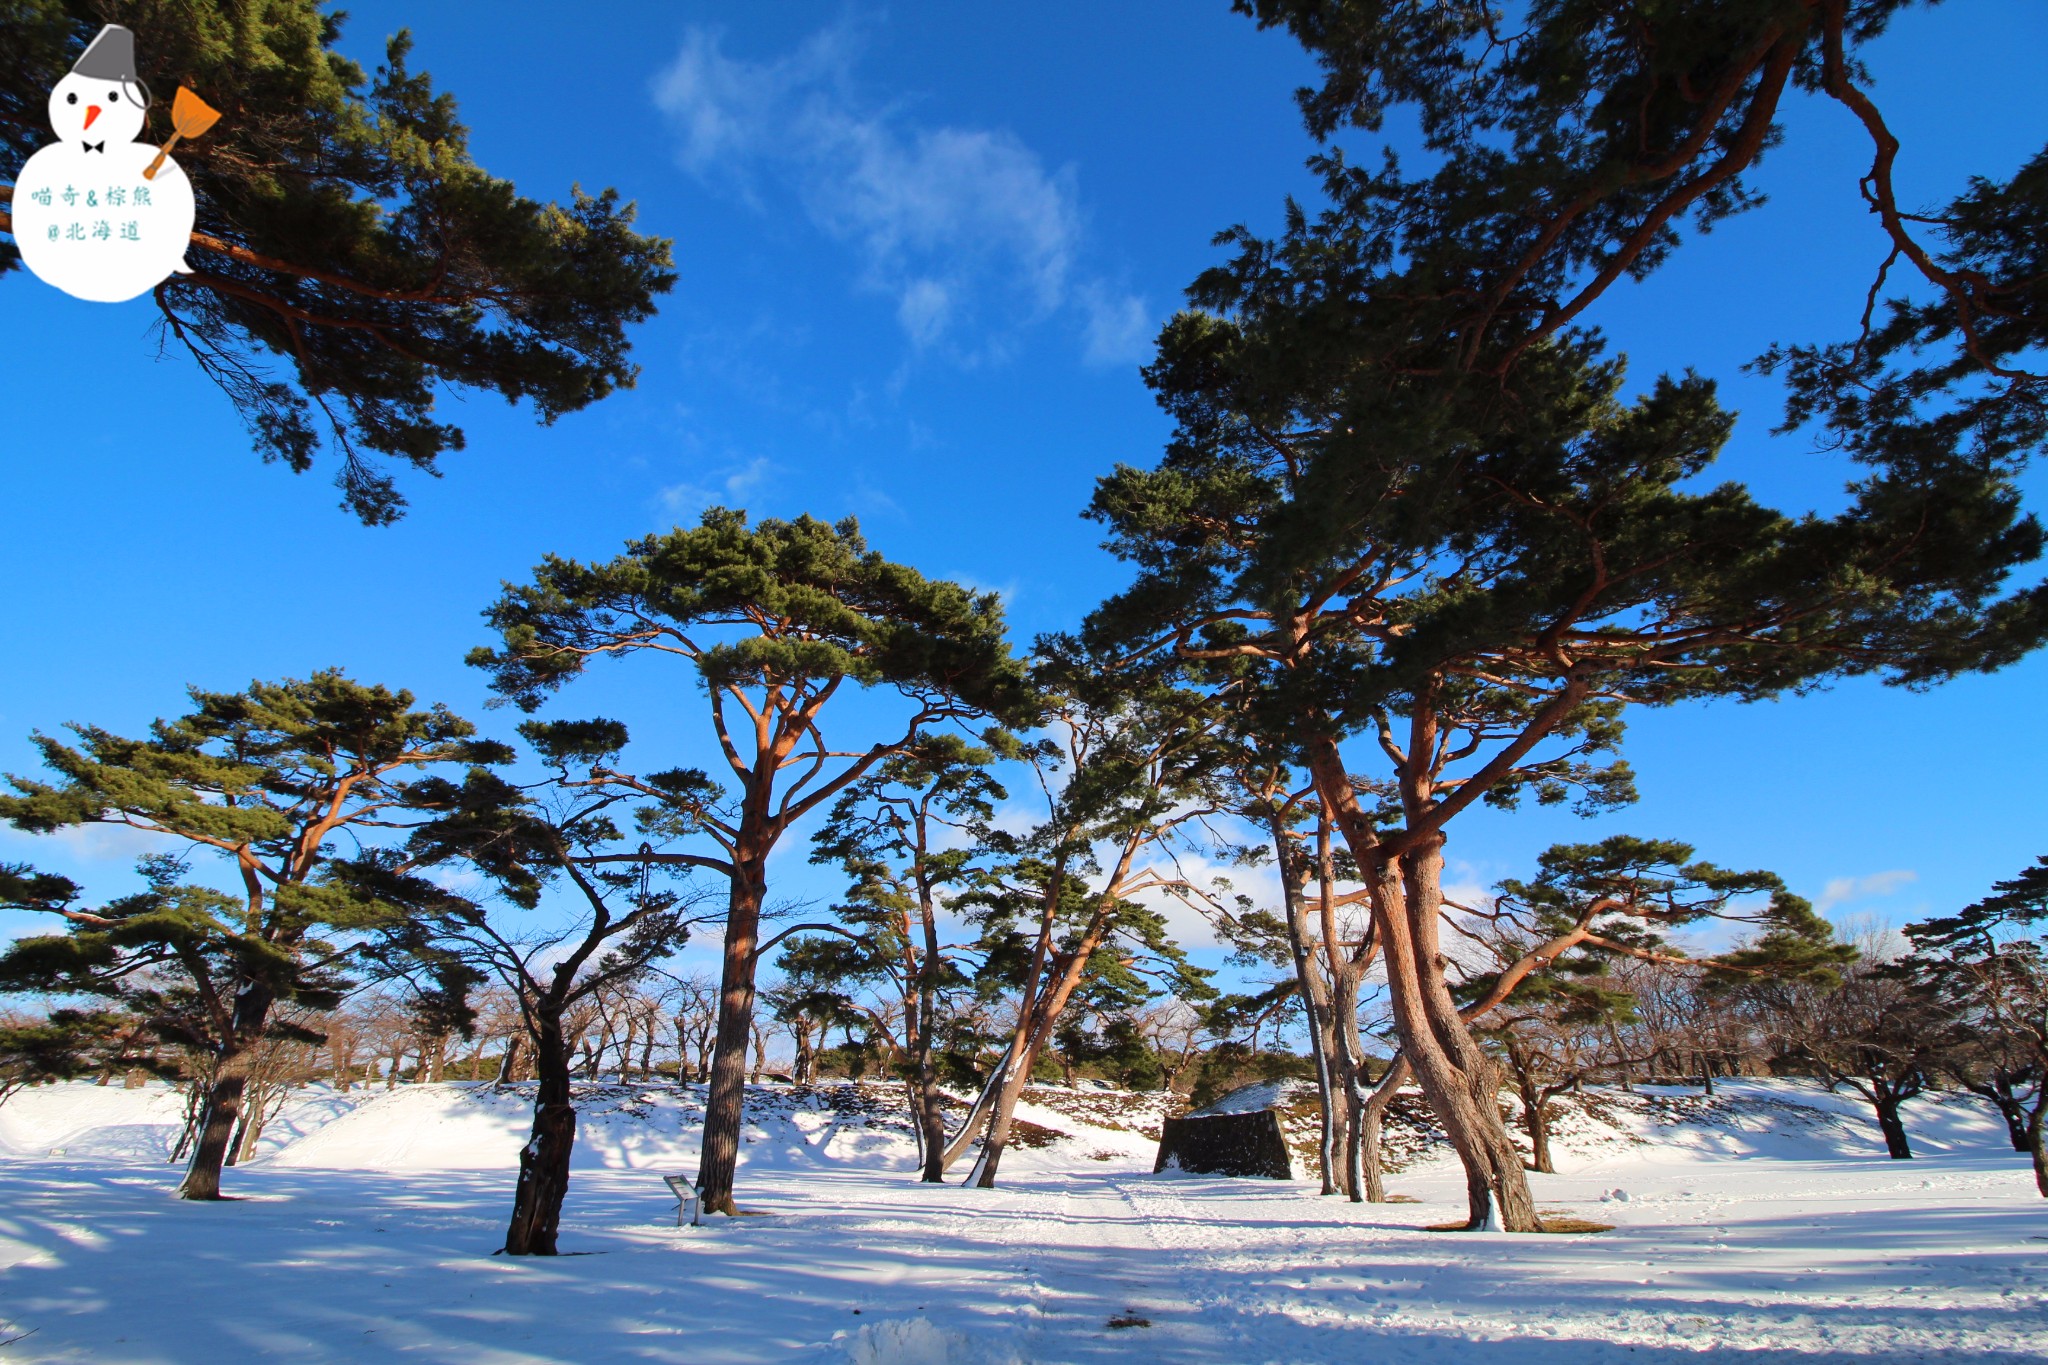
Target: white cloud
{"type": "Point", "coordinates": [1844, 890]}
{"type": "Point", "coordinates": [731, 489]}
{"type": "Point", "coordinates": [75, 847]}
{"type": "Point", "coordinates": [966, 229]}
{"type": "Point", "coordinates": [1120, 328]}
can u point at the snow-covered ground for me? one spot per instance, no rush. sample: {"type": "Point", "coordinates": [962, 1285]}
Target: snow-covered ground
{"type": "Point", "coordinates": [1765, 1221]}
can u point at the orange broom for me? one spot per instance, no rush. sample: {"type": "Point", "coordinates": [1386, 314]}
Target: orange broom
{"type": "Point", "coordinates": [190, 116]}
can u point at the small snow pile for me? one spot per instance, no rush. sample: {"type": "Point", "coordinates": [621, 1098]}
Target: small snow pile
{"type": "Point", "coordinates": [1143, 1112]}
{"type": "Point", "coordinates": [915, 1341]}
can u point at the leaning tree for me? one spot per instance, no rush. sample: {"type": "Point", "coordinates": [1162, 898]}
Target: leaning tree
{"type": "Point", "coordinates": [909, 835]}
{"type": "Point", "coordinates": [772, 621]}
{"type": "Point", "coordinates": [1131, 768]}
{"type": "Point", "coordinates": [345, 231]}
{"type": "Point", "coordinates": [621, 904]}
{"type": "Point", "coordinates": [266, 780]}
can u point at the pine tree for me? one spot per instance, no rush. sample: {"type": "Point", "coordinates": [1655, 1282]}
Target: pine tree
{"type": "Point", "coordinates": [344, 228]}
{"type": "Point", "coordinates": [774, 620]}
{"type": "Point", "coordinates": [266, 780]}
{"type": "Point", "coordinates": [1989, 962]}
{"type": "Point", "coordinates": [625, 911]}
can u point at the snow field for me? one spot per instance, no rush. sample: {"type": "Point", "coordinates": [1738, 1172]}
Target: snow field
{"type": "Point", "coordinates": [1765, 1222]}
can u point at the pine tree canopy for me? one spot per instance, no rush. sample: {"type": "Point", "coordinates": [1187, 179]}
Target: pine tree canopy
{"type": "Point", "coordinates": [349, 257]}
{"type": "Point", "coordinates": [1572, 141]}
{"type": "Point", "coordinates": [2017, 904]}
{"type": "Point", "coordinates": [1504, 546]}
{"type": "Point", "coordinates": [784, 604]}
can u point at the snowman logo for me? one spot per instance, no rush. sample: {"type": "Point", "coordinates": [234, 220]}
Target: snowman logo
{"type": "Point", "coordinates": [98, 214]}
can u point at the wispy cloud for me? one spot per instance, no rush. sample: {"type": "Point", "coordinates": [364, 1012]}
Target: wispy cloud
{"type": "Point", "coordinates": [967, 229]}
{"type": "Point", "coordinates": [1848, 890]}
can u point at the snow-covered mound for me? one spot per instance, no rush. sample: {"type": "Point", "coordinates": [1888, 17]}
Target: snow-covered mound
{"type": "Point", "coordinates": [461, 1126]}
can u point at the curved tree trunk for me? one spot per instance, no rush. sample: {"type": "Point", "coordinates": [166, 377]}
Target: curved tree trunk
{"type": "Point", "coordinates": [1999, 1090]}
{"type": "Point", "coordinates": [544, 1160]}
{"type": "Point", "coordinates": [223, 1113]}
{"type": "Point", "coordinates": [1370, 1116]}
{"type": "Point", "coordinates": [973, 1125]}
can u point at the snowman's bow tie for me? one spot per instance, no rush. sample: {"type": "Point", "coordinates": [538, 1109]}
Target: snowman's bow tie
{"type": "Point", "coordinates": [94, 146]}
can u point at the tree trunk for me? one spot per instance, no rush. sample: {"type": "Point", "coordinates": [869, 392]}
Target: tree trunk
{"type": "Point", "coordinates": [238, 1145]}
{"type": "Point", "coordinates": [2037, 1138]}
{"type": "Point", "coordinates": [928, 1107]}
{"type": "Point", "coordinates": [806, 1064]}
{"type": "Point", "coordinates": [223, 1112]}
{"type": "Point", "coordinates": [1535, 1107]}
{"type": "Point", "coordinates": [976, 1114]}
{"type": "Point", "coordinates": [1999, 1091]}
{"type": "Point", "coordinates": [195, 1110]}
{"type": "Point", "coordinates": [509, 1063]}
{"type": "Point", "coordinates": [1455, 1076]}
{"type": "Point", "coordinates": [544, 1160]}
{"type": "Point", "coordinates": [1315, 1004]}
{"type": "Point", "coordinates": [724, 1108]}
{"type": "Point", "coordinates": [1371, 1169]}
{"type": "Point", "coordinates": [1537, 1119]}
{"type": "Point", "coordinates": [1886, 1103]}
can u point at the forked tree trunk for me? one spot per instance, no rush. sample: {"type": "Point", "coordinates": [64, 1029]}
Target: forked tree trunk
{"type": "Point", "coordinates": [975, 1123]}
{"type": "Point", "coordinates": [544, 1160]}
{"type": "Point", "coordinates": [1456, 1077]}
{"type": "Point", "coordinates": [1003, 1111]}
{"type": "Point", "coordinates": [725, 1106]}
{"type": "Point", "coordinates": [1039, 1015]}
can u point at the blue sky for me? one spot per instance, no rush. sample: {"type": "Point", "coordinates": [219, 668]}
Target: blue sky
{"type": "Point", "coordinates": [922, 253]}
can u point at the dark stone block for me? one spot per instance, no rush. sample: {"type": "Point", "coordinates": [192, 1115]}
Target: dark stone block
{"type": "Point", "coordinates": [1227, 1144]}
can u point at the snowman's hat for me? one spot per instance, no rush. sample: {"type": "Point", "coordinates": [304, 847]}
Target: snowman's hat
{"type": "Point", "coordinates": [111, 58]}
